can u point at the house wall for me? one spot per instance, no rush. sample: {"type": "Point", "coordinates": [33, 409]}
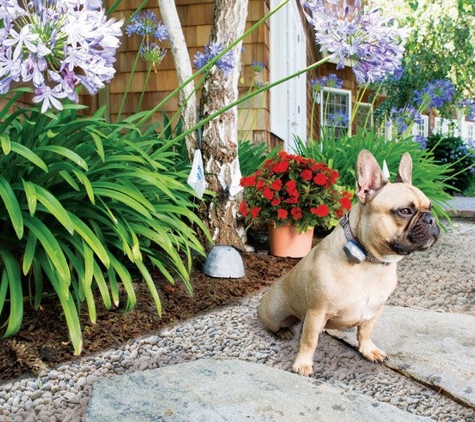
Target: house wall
{"type": "Point", "coordinates": [196, 19]}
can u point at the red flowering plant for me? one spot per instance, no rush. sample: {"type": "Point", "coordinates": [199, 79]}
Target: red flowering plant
{"type": "Point", "coordinates": [291, 189]}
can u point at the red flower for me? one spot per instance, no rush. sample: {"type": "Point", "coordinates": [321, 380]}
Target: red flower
{"type": "Point", "coordinates": [276, 184]}
{"type": "Point", "coordinates": [294, 198]}
{"type": "Point", "coordinates": [334, 176]}
{"type": "Point", "coordinates": [260, 184]}
{"type": "Point", "coordinates": [296, 213]}
{"type": "Point", "coordinates": [320, 179]}
{"type": "Point", "coordinates": [291, 185]}
{"type": "Point", "coordinates": [248, 181]}
{"type": "Point", "coordinates": [255, 211]}
{"type": "Point", "coordinates": [243, 209]}
{"type": "Point", "coordinates": [339, 213]}
{"type": "Point", "coordinates": [345, 203]}
{"type": "Point", "coordinates": [282, 214]}
{"type": "Point", "coordinates": [268, 193]}
{"type": "Point", "coordinates": [275, 202]}
{"type": "Point", "coordinates": [306, 175]}
{"type": "Point", "coordinates": [321, 210]}
{"type": "Point", "coordinates": [281, 167]}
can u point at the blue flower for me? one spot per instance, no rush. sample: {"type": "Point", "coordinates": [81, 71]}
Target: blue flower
{"type": "Point", "coordinates": [434, 94]}
{"type": "Point", "coordinates": [258, 67]}
{"type": "Point", "coordinates": [39, 45]}
{"type": "Point", "coordinates": [146, 24]}
{"type": "Point", "coordinates": [469, 108]}
{"type": "Point", "coordinates": [370, 43]}
{"type": "Point", "coordinates": [405, 117]}
{"type": "Point", "coordinates": [225, 63]}
{"type": "Point", "coordinates": [422, 140]}
{"type": "Point", "coordinates": [330, 81]}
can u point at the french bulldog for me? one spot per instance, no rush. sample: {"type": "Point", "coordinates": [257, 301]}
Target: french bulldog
{"type": "Point", "coordinates": [345, 280]}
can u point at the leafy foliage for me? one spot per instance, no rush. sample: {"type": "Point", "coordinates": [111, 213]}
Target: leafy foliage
{"type": "Point", "coordinates": [428, 175]}
{"type": "Point", "coordinates": [83, 203]}
{"type": "Point", "coordinates": [252, 156]}
{"type": "Point", "coordinates": [452, 149]}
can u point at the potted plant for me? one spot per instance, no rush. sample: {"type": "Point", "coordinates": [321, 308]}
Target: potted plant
{"type": "Point", "coordinates": [293, 194]}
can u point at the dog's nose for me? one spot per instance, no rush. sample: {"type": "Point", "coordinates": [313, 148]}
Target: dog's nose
{"type": "Point", "coordinates": [428, 218]}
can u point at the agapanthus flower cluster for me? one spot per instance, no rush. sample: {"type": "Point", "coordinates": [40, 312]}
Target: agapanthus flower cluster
{"type": "Point", "coordinates": [337, 119]}
{"type": "Point", "coordinates": [468, 107]}
{"type": "Point", "coordinates": [330, 81]}
{"type": "Point", "coordinates": [434, 94]}
{"type": "Point", "coordinates": [57, 45]}
{"type": "Point", "coordinates": [146, 25]}
{"type": "Point", "coordinates": [291, 189]}
{"type": "Point", "coordinates": [372, 44]}
{"type": "Point", "coordinates": [258, 67]}
{"type": "Point", "coordinates": [405, 117]}
{"type": "Point", "coordinates": [225, 63]}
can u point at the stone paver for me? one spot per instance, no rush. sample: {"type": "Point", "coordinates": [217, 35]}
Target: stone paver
{"type": "Point", "coordinates": [434, 348]}
{"type": "Point", "coordinates": [230, 390]}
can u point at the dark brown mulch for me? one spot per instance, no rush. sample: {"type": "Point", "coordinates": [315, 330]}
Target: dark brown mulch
{"type": "Point", "coordinates": [43, 340]}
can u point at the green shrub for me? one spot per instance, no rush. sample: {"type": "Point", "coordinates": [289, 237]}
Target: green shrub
{"type": "Point", "coordinates": [252, 156]}
{"type": "Point", "coordinates": [82, 204]}
{"type": "Point", "coordinates": [432, 178]}
{"type": "Point", "coordinates": [453, 150]}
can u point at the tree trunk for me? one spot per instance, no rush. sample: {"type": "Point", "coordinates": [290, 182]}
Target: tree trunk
{"type": "Point", "coordinates": [179, 50]}
{"type": "Point", "coordinates": [220, 134]}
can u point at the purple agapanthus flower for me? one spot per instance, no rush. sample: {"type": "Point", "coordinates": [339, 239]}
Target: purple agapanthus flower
{"type": "Point", "coordinates": [434, 94]}
{"type": "Point", "coordinates": [371, 44]}
{"type": "Point", "coordinates": [146, 24]}
{"type": "Point", "coordinates": [258, 67]}
{"type": "Point", "coordinates": [469, 108]}
{"type": "Point", "coordinates": [225, 63]}
{"type": "Point", "coordinates": [405, 117]}
{"type": "Point", "coordinates": [421, 140]}
{"type": "Point", "coordinates": [337, 119]}
{"type": "Point", "coordinates": [57, 45]}
{"type": "Point", "coordinates": [330, 81]}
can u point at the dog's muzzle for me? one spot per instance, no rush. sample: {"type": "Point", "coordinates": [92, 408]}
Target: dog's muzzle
{"type": "Point", "coordinates": [421, 235]}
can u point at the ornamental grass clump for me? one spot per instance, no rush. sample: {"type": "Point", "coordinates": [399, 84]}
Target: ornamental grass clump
{"type": "Point", "coordinates": [292, 190]}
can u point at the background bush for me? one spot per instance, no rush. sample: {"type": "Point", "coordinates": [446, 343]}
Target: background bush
{"type": "Point", "coordinates": [84, 204]}
{"type": "Point", "coordinates": [453, 150]}
{"type": "Point", "coordinates": [429, 176]}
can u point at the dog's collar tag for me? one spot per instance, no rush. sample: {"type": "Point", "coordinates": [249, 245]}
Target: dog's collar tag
{"type": "Point", "coordinates": [355, 252]}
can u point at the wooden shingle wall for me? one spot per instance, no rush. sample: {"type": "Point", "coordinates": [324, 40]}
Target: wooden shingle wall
{"type": "Point", "coordinates": [196, 19]}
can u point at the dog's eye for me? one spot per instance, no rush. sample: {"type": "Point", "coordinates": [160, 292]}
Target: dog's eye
{"type": "Point", "coordinates": [405, 212]}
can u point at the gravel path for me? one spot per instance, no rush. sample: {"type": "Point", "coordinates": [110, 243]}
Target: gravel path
{"type": "Point", "coordinates": [441, 279]}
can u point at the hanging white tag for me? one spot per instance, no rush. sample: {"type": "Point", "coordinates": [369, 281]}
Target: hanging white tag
{"type": "Point", "coordinates": [235, 187]}
{"type": "Point", "coordinates": [385, 170]}
{"type": "Point", "coordinates": [196, 178]}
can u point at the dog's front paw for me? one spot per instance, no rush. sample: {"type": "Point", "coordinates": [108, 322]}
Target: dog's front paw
{"type": "Point", "coordinates": [372, 353]}
{"type": "Point", "coordinates": [302, 368]}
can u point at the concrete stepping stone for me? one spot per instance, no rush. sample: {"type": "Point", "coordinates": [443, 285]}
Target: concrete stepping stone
{"type": "Point", "coordinates": [435, 348]}
{"type": "Point", "coordinates": [230, 390]}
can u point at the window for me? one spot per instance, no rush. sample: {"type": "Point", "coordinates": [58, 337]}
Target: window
{"type": "Point", "coordinates": [335, 112]}
{"type": "Point", "coordinates": [421, 129]}
{"type": "Point", "coordinates": [288, 101]}
{"type": "Point", "coordinates": [468, 130]}
{"type": "Point", "coordinates": [364, 116]}
{"type": "Point", "coordinates": [446, 127]}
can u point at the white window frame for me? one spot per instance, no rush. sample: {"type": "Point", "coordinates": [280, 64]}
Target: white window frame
{"type": "Point", "coordinates": [288, 54]}
{"type": "Point", "coordinates": [324, 109]}
{"type": "Point", "coordinates": [468, 131]}
{"type": "Point", "coordinates": [441, 126]}
{"type": "Point", "coordinates": [421, 129]}
{"type": "Point", "coordinates": [368, 107]}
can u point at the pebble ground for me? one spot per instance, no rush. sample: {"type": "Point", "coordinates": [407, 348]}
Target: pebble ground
{"type": "Point", "coordinates": [441, 279]}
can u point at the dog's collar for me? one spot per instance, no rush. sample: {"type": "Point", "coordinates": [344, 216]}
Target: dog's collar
{"type": "Point", "coordinates": [356, 255]}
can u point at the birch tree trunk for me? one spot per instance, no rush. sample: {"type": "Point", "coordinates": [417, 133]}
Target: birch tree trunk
{"type": "Point", "coordinates": [220, 134]}
{"type": "Point", "coordinates": [179, 50]}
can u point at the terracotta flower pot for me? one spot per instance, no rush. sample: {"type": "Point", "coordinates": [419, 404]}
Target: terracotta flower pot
{"type": "Point", "coordinates": [286, 241]}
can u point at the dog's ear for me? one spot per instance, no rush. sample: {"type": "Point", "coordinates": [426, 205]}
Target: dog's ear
{"type": "Point", "coordinates": [405, 169]}
{"type": "Point", "coordinates": [370, 178]}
